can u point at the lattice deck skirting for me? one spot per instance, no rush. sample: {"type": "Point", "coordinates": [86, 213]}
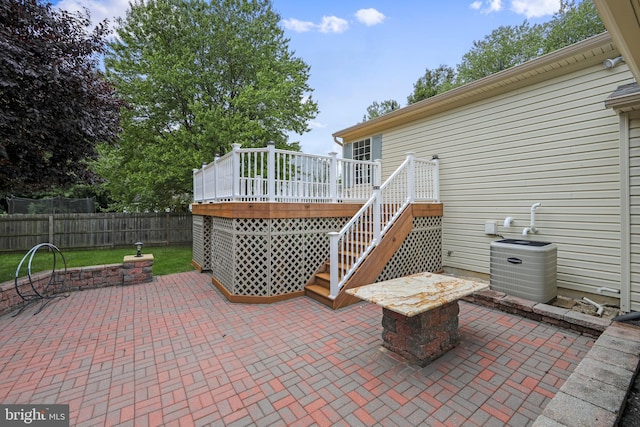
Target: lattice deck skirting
{"type": "Point", "coordinates": [421, 250]}
{"type": "Point", "coordinates": [277, 256]}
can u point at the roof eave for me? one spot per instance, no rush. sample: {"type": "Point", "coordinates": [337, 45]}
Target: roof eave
{"type": "Point", "coordinates": [584, 53]}
{"type": "Point", "coordinates": [624, 103]}
{"type": "Point", "coordinates": [622, 19]}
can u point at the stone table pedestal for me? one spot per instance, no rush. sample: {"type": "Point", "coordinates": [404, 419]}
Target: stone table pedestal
{"type": "Point", "coordinates": [419, 313]}
{"type": "Point", "coordinates": [423, 337]}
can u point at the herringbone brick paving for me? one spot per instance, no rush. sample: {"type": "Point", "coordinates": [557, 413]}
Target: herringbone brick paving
{"type": "Point", "coordinates": [175, 352]}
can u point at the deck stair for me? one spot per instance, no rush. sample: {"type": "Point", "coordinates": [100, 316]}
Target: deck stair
{"type": "Point", "coordinates": [318, 287]}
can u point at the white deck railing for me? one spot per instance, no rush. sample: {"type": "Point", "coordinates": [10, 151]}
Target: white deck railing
{"type": "Point", "coordinates": [272, 175]}
{"type": "Point", "coordinates": [414, 180]}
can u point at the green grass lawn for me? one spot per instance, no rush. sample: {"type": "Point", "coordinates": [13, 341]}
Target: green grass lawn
{"type": "Point", "coordinates": [167, 260]}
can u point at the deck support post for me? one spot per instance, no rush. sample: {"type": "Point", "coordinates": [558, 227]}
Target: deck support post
{"type": "Point", "coordinates": [200, 196]}
{"type": "Point", "coordinates": [378, 203]}
{"type": "Point", "coordinates": [411, 177]}
{"type": "Point", "coordinates": [377, 214]}
{"type": "Point", "coordinates": [215, 167]}
{"type": "Point", "coordinates": [271, 171]}
{"type": "Point", "coordinates": [236, 171]}
{"type": "Point", "coordinates": [333, 178]}
{"type": "Point", "coordinates": [334, 289]}
{"type": "Point", "coordinates": [436, 179]}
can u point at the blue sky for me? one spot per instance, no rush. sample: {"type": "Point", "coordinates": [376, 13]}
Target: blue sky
{"type": "Point", "coordinates": [372, 50]}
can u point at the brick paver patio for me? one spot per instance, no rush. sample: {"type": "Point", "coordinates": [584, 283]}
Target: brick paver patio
{"type": "Point", "coordinates": [175, 352]}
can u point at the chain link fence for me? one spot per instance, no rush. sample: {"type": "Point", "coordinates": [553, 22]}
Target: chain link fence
{"type": "Point", "coordinates": [55, 205]}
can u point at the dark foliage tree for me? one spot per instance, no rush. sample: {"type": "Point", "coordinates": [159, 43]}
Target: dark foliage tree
{"type": "Point", "coordinates": [55, 105]}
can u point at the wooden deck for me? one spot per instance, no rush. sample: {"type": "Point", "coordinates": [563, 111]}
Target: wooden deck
{"type": "Point", "coordinates": [317, 287]}
{"type": "Point", "coordinates": [269, 210]}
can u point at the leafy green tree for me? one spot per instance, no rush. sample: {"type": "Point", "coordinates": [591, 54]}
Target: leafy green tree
{"type": "Point", "coordinates": [433, 82]}
{"type": "Point", "coordinates": [377, 109]}
{"type": "Point", "coordinates": [572, 24]}
{"type": "Point", "coordinates": [505, 47]}
{"type": "Point", "coordinates": [198, 76]}
{"type": "Point", "coordinates": [509, 46]}
{"type": "Point", "coordinates": [55, 104]}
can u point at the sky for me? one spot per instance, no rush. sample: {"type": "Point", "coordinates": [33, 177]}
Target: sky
{"type": "Point", "coordinates": [361, 51]}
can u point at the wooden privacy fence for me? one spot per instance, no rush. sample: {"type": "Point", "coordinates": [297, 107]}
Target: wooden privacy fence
{"type": "Point", "coordinates": [100, 230]}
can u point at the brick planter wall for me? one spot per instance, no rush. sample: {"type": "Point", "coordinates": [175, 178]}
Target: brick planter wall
{"type": "Point", "coordinates": [132, 271]}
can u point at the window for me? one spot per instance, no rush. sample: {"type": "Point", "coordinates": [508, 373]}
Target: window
{"type": "Point", "coordinates": [362, 151]}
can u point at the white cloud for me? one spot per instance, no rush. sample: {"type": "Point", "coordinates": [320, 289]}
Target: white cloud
{"type": "Point", "coordinates": [494, 6]}
{"type": "Point", "coordinates": [329, 24]}
{"type": "Point", "coordinates": [535, 8]}
{"type": "Point", "coordinates": [487, 7]}
{"type": "Point", "coordinates": [528, 8]}
{"type": "Point", "coordinates": [333, 24]}
{"type": "Point", "coordinates": [99, 9]}
{"type": "Point", "coordinates": [297, 25]}
{"type": "Point", "coordinates": [370, 17]}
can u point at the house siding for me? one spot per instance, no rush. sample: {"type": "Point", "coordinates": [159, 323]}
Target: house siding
{"type": "Point", "coordinates": [552, 142]}
{"type": "Point", "coordinates": [634, 205]}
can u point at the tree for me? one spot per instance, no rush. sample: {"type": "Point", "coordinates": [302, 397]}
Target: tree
{"type": "Point", "coordinates": [572, 24]}
{"type": "Point", "coordinates": [505, 47]}
{"type": "Point", "coordinates": [377, 109]}
{"type": "Point", "coordinates": [55, 105]}
{"type": "Point", "coordinates": [198, 76]}
{"type": "Point", "coordinates": [509, 46]}
{"type": "Point", "coordinates": [433, 82]}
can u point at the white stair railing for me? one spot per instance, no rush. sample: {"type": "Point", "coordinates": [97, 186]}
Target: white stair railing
{"type": "Point", "coordinates": [414, 180]}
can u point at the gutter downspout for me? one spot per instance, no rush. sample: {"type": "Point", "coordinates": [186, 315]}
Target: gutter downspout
{"type": "Point", "coordinates": [625, 215]}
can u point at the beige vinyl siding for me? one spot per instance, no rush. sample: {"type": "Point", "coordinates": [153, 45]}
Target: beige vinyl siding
{"type": "Point", "coordinates": [553, 142]}
{"type": "Point", "coordinates": [634, 202]}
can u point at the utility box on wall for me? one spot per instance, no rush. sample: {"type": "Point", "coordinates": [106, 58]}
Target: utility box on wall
{"type": "Point", "coordinates": [525, 269]}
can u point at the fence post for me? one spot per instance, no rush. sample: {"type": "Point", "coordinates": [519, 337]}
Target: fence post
{"type": "Point", "coordinates": [235, 174]}
{"type": "Point", "coordinates": [51, 229]}
{"type": "Point", "coordinates": [113, 230]}
{"type": "Point", "coordinates": [167, 219]}
{"type": "Point", "coordinates": [411, 177]}
{"type": "Point", "coordinates": [271, 171]}
{"type": "Point", "coordinates": [334, 289]}
{"type": "Point", "coordinates": [333, 177]}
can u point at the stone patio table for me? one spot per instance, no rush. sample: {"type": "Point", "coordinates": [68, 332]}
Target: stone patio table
{"type": "Point", "coordinates": [419, 313]}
